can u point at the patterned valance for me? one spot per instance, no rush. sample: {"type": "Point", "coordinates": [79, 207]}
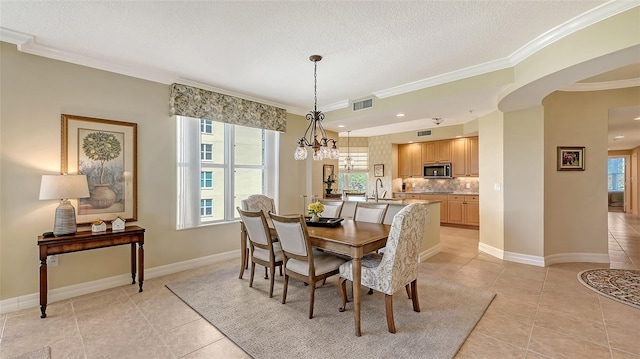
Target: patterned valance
{"type": "Point", "coordinates": [198, 103]}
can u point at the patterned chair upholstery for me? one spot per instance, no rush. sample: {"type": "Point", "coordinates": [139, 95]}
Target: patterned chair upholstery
{"type": "Point", "coordinates": [301, 261]}
{"type": "Point", "coordinates": [254, 203]}
{"type": "Point", "coordinates": [332, 209]}
{"type": "Point", "coordinates": [263, 250]}
{"type": "Point", "coordinates": [398, 267]}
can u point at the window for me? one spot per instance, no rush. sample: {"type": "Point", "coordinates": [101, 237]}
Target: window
{"type": "Point", "coordinates": [206, 207]}
{"type": "Point", "coordinates": [206, 126]}
{"type": "Point", "coordinates": [231, 162]}
{"type": "Point", "coordinates": [206, 179]}
{"type": "Point", "coordinates": [354, 182]}
{"type": "Point", "coordinates": [206, 152]}
{"type": "Point", "coordinates": [615, 174]}
{"type": "Point", "coordinates": [356, 179]}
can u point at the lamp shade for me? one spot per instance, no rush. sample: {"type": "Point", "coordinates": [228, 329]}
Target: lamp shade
{"type": "Point", "coordinates": [64, 187]}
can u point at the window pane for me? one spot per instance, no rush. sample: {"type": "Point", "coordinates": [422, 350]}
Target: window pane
{"type": "Point", "coordinates": [206, 179]}
{"type": "Point", "coordinates": [249, 144]}
{"type": "Point", "coordinates": [215, 194]}
{"type": "Point", "coordinates": [354, 182]}
{"type": "Point", "coordinates": [248, 181]}
{"type": "Point", "coordinates": [215, 142]}
{"type": "Point", "coordinates": [616, 174]}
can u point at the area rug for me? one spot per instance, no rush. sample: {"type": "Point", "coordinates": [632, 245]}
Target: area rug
{"type": "Point", "coordinates": [42, 353]}
{"type": "Point", "coordinates": [265, 328]}
{"type": "Point", "coordinates": [621, 285]}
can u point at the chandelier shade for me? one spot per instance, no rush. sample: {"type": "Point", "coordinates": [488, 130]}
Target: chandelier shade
{"type": "Point", "coordinates": [315, 136]}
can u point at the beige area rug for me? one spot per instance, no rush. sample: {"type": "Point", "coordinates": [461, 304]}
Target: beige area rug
{"type": "Point", "coordinates": [265, 328]}
{"type": "Point", "coordinates": [621, 285]}
{"type": "Point", "coordinates": [42, 353]}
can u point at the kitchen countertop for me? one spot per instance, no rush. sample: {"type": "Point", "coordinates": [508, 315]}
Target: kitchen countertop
{"type": "Point", "coordinates": [390, 201]}
{"type": "Point", "coordinates": [457, 193]}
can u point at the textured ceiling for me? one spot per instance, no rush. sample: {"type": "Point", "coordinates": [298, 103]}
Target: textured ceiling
{"type": "Point", "coordinates": [260, 49]}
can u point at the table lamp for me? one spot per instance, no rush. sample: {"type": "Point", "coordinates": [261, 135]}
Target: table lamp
{"type": "Point", "coordinates": [63, 187]}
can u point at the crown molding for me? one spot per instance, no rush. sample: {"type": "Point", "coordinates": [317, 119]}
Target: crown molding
{"type": "Point", "coordinates": [599, 86]}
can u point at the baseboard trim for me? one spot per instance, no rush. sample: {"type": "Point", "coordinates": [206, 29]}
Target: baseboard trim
{"type": "Point", "coordinates": [493, 251]}
{"type": "Point", "coordinates": [430, 252]}
{"type": "Point", "coordinates": [524, 259]}
{"type": "Point", "coordinates": [58, 294]}
{"type": "Point", "coordinates": [577, 257]}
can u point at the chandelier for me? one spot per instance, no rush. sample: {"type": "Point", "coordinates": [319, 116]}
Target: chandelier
{"type": "Point", "coordinates": [348, 163]}
{"type": "Point", "coordinates": [320, 146]}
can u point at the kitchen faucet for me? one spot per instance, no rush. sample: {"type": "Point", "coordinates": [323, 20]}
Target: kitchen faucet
{"type": "Point", "coordinates": [381, 186]}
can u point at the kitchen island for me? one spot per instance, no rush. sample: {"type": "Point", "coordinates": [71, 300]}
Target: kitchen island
{"type": "Point", "coordinates": [431, 241]}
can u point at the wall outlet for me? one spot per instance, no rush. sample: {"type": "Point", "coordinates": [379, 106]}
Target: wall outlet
{"type": "Point", "coordinates": [52, 260]}
{"type": "Point", "coordinates": [468, 185]}
{"type": "Point", "coordinates": [496, 186]}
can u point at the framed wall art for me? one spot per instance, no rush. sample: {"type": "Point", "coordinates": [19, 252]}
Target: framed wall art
{"type": "Point", "coordinates": [378, 170]}
{"type": "Point", "coordinates": [106, 152]}
{"type": "Point", "coordinates": [570, 158]}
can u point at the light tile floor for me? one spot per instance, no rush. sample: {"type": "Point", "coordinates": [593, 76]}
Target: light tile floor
{"type": "Point", "coordinates": [537, 313]}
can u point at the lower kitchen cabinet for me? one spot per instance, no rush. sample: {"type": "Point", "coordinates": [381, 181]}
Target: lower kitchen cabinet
{"type": "Point", "coordinates": [463, 210]}
{"type": "Point", "coordinates": [443, 204]}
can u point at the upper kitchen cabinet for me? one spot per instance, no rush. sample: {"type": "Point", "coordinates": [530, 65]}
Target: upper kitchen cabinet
{"type": "Point", "coordinates": [436, 152]}
{"type": "Point", "coordinates": [464, 157]}
{"type": "Point", "coordinates": [410, 160]}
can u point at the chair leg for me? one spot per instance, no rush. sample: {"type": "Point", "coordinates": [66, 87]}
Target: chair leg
{"type": "Point", "coordinates": [281, 270]}
{"type": "Point", "coordinates": [272, 267]}
{"type": "Point", "coordinates": [343, 293]}
{"type": "Point", "coordinates": [266, 275]}
{"type": "Point", "coordinates": [388, 300]}
{"type": "Point", "coordinates": [370, 291]}
{"type": "Point", "coordinates": [284, 289]}
{"type": "Point", "coordinates": [414, 295]}
{"type": "Point", "coordinates": [245, 262]}
{"type": "Point", "coordinates": [246, 259]}
{"type": "Point", "coordinates": [312, 294]}
{"type": "Point", "coordinates": [253, 268]}
{"type": "Point", "coordinates": [408, 291]}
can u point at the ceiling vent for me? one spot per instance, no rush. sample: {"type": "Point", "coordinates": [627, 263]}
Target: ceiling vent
{"type": "Point", "coordinates": [424, 133]}
{"type": "Point", "coordinates": [363, 104]}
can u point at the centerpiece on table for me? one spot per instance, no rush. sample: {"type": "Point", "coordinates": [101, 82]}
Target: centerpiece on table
{"type": "Point", "coordinates": [331, 179]}
{"type": "Point", "coordinates": [314, 210]}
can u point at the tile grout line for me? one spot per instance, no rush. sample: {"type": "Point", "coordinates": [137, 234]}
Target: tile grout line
{"type": "Point", "coordinates": [75, 319]}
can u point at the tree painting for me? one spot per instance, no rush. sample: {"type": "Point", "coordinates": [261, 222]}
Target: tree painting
{"type": "Point", "coordinates": [102, 147]}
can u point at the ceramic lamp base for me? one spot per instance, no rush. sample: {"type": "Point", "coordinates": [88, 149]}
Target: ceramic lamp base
{"type": "Point", "coordinates": [65, 221]}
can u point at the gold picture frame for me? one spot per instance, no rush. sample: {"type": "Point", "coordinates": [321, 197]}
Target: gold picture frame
{"type": "Point", "coordinates": [106, 152]}
{"type": "Point", "coordinates": [570, 158]}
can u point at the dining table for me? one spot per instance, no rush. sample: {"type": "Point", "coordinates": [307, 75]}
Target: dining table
{"type": "Point", "coordinates": [350, 238]}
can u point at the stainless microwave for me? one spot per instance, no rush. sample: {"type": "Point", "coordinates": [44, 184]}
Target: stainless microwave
{"type": "Point", "coordinates": [437, 170]}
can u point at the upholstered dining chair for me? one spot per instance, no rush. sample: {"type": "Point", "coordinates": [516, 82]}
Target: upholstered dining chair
{"type": "Point", "coordinates": [301, 261]}
{"type": "Point", "coordinates": [253, 203]}
{"type": "Point", "coordinates": [264, 250]}
{"type": "Point", "coordinates": [398, 266]}
{"type": "Point", "coordinates": [370, 212]}
{"type": "Point", "coordinates": [332, 209]}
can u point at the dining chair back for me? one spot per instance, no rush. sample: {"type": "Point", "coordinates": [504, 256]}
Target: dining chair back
{"type": "Point", "coordinates": [398, 266]}
{"type": "Point", "coordinates": [370, 212]}
{"type": "Point", "coordinates": [253, 203]}
{"type": "Point", "coordinates": [301, 261]}
{"type": "Point", "coordinates": [332, 209]}
{"type": "Point", "coordinates": [264, 250]}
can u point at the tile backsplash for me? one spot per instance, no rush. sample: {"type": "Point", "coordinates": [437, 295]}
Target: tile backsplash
{"type": "Point", "coordinates": [457, 185]}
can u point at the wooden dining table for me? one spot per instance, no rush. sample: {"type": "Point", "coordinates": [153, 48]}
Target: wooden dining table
{"type": "Point", "coordinates": [350, 238]}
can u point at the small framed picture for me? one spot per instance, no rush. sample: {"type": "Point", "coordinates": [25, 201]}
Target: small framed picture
{"type": "Point", "coordinates": [378, 170]}
{"type": "Point", "coordinates": [570, 158]}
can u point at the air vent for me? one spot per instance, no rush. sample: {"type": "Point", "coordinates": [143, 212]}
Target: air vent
{"type": "Point", "coordinates": [363, 104]}
{"type": "Point", "coordinates": [424, 133]}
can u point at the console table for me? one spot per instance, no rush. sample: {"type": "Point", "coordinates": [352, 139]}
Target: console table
{"type": "Point", "coordinates": [82, 241]}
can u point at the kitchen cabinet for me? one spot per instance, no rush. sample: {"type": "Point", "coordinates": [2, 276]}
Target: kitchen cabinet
{"type": "Point", "coordinates": [436, 151]}
{"type": "Point", "coordinates": [463, 210]}
{"type": "Point", "coordinates": [443, 204]}
{"type": "Point", "coordinates": [464, 157]}
{"type": "Point", "coordinates": [410, 160]}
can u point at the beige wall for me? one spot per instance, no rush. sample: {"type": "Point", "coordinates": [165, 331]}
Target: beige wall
{"type": "Point", "coordinates": [491, 139]}
{"type": "Point", "coordinates": [524, 182]}
{"type": "Point", "coordinates": [579, 224]}
{"type": "Point", "coordinates": [35, 92]}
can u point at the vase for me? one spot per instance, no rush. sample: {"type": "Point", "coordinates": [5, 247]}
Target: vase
{"type": "Point", "coordinates": [328, 190]}
{"type": "Point", "coordinates": [314, 218]}
{"type": "Point", "coordinates": [102, 196]}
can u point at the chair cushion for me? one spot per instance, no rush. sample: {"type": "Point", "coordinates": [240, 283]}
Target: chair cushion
{"type": "Point", "coordinates": [324, 263]}
{"type": "Point", "coordinates": [263, 254]}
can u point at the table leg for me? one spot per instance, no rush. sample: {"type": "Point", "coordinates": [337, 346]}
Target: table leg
{"type": "Point", "coordinates": [133, 263]}
{"type": "Point", "coordinates": [243, 249]}
{"type": "Point", "coordinates": [357, 280]}
{"type": "Point", "coordinates": [43, 286]}
{"type": "Point", "coordinates": [140, 263]}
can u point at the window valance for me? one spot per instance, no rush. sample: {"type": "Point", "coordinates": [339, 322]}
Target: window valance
{"type": "Point", "coordinates": [198, 103]}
